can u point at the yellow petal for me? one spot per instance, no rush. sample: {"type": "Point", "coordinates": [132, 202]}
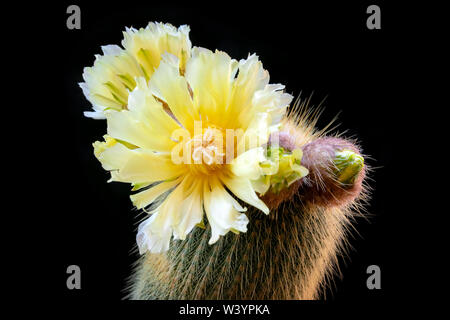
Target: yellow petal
{"type": "Point", "coordinates": [190, 211]}
{"type": "Point", "coordinates": [123, 126]}
{"type": "Point", "coordinates": [211, 76]}
{"type": "Point", "coordinates": [146, 197]}
{"type": "Point", "coordinates": [150, 113]}
{"type": "Point", "coordinates": [167, 84]}
{"type": "Point", "coordinates": [108, 82]}
{"type": "Point", "coordinates": [146, 124]}
{"type": "Point", "coordinates": [251, 78]}
{"type": "Point", "coordinates": [246, 165]}
{"type": "Point", "coordinates": [154, 234]}
{"type": "Point", "coordinates": [271, 99]}
{"type": "Point", "coordinates": [145, 166]}
{"type": "Point", "coordinates": [148, 44]}
{"type": "Point", "coordinates": [242, 188]}
{"type": "Point", "coordinates": [111, 154]}
{"type": "Point", "coordinates": [257, 132]}
{"type": "Point", "coordinates": [221, 211]}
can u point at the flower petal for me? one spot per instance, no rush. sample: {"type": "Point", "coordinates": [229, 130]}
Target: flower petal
{"type": "Point", "coordinates": [108, 82]}
{"type": "Point", "coordinates": [111, 154]}
{"type": "Point", "coordinates": [149, 43]}
{"type": "Point", "coordinates": [242, 188]}
{"type": "Point", "coordinates": [154, 234]}
{"type": "Point", "coordinates": [167, 84]}
{"type": "Point", "coordinates": [211, 76]}
{"type": "Point", "coordinates": [190, 210]}
{"type": "Point", "coordinates": [150, 115]}
{"type": "Point", "coordinates": [148, 196]}
{"type": "Point", "coordinates": [148, 239]}
{"type": "Point", "coordinates": [145, 166]}
{"type": "Point", "coordinates": [124, 126]}
{"type": "Point", "coordinates": [251, 78]}
{"type": "Point", "coordinates": [146, 124]}
{"type": "Point", "coordinates": [221, 211]}
{"type": "Point", "coordinates": [246, 165]}
{"type": "Point", "coordinates": [257, 133]}
{"type": "Point", "coordinates": [271, 99]}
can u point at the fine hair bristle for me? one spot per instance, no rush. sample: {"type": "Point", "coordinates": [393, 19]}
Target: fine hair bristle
{"type": "Point", "coordinates": [301, 121]}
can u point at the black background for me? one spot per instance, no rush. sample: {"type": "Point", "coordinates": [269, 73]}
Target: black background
{"type": "Point", "coordinates": [323, 49]}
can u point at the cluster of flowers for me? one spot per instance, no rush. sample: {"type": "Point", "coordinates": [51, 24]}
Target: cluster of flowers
{"type": "Point", "coordinates": [157, 85]}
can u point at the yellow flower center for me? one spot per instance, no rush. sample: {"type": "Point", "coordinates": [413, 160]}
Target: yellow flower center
{"type": "Point", "coordinates": [208, 151]}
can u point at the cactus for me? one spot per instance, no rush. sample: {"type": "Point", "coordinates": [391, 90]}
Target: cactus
{"type": "Point", "coordinates": [290, 253]}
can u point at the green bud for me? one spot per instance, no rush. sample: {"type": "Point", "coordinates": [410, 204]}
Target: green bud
{"type": "Point", "coordinates": [348, 165]}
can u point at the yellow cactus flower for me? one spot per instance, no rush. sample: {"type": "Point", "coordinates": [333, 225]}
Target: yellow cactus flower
{"type": "Point", "coordinates": [190, 141]}
{"type": "Point", "coordinates": [108, 83]}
